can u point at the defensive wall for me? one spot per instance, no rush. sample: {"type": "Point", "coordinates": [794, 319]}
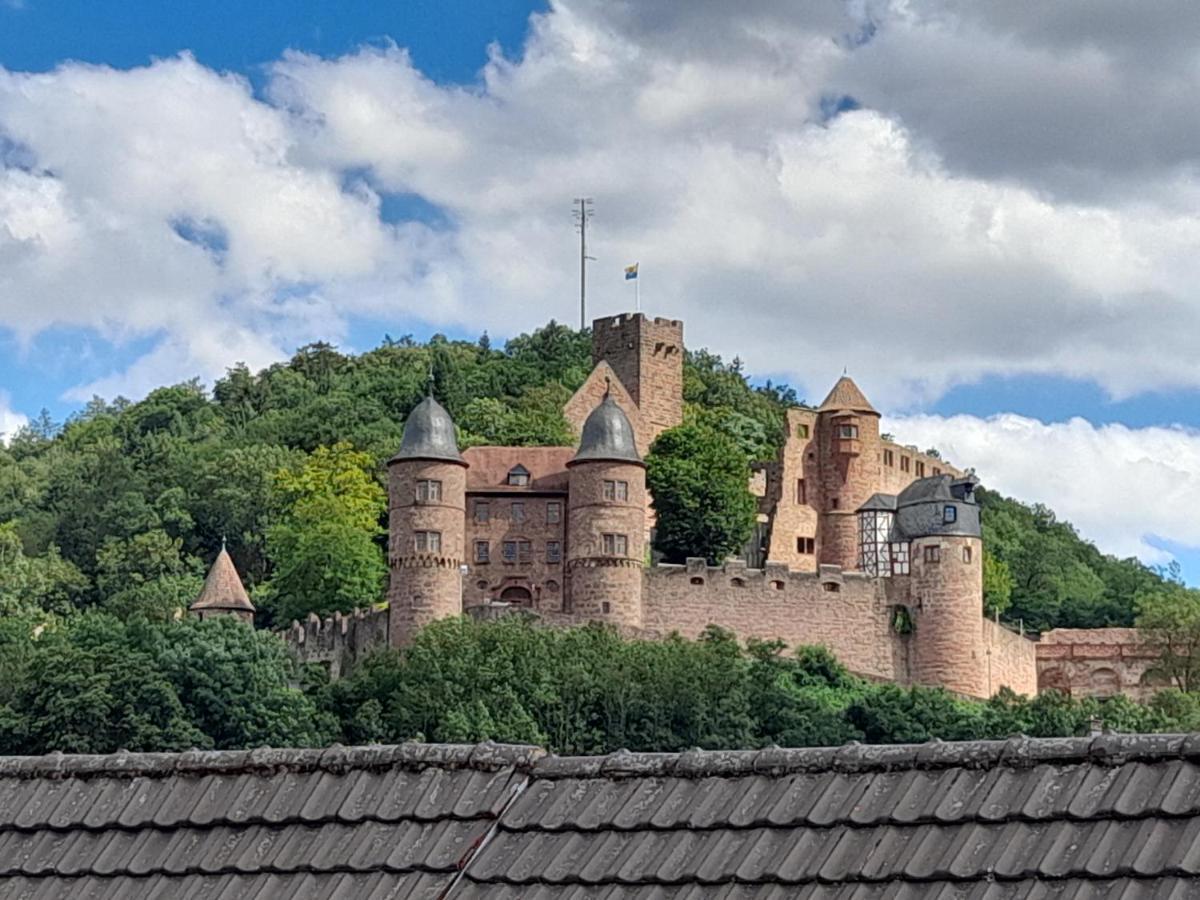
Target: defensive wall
{"type": "Point", "coordinates": [338, 642]}
{"type": "Point", "coordinates": [848, 612]}
{"type": "Point", "coordinates": [1097, 662]}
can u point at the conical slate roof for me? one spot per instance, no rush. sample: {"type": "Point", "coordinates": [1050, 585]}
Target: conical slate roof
{"type": "Point", "coordinates": [607, 435]}
{"type": "Point", "coordinates": [846, 396]}
{"type": "Point", "coordinates": [223, 587]}
{"type": "Point", "coordinates": [429, 434]}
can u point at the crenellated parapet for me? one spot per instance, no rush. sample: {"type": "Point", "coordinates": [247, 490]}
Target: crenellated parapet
{"type": "Point", "coordinates": [337, 642]}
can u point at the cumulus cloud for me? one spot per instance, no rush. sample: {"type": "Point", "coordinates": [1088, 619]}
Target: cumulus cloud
{"type": "Point", "coordinates": [1121, 487]}
{"type": "Point", "coordinates": [957, 224]}
{"type": "Point", "coordinates": [9, 421]}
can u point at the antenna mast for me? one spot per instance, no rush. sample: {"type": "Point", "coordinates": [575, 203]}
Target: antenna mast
{"type": "Point", "coordinates": [583, 212]}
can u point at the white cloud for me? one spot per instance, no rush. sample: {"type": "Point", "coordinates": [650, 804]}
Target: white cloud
{"type": "Point", "coordinates": [10, 421]}
{"type": "Point", "coordinates": [1119, 486]}
{"type": "Point", "coordinates": [957, 227]}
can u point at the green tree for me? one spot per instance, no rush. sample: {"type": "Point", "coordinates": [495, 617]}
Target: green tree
{"type": "Point", "coordinates": [997, 585]}
{"type": "Point", "coordinates": [323, 546]}
{"type": "Point", "coordinates": [1169, 618]}
{"type": "Point", "coordinates": [699, 479]}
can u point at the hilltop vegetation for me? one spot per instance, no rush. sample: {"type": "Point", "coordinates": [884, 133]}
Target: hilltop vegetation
{"type": "Point", "coordinates": [120, 507]}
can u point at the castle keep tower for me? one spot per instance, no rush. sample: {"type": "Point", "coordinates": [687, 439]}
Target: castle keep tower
{"type": "Point", "coordinates": [427, 486]}
{"type": "Point", "coordinates": [848, 468]}
{"type": "Point", "coordinates": [606, 526]}
{"type": "Point", "coordinates": [647, 356]}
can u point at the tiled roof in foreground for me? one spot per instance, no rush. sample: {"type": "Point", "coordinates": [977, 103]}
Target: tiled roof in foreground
{"type": "Point", "coordinates": [1105, 817]}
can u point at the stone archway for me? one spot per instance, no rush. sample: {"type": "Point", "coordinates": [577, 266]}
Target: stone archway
{"type": "Point", "coordinates": [517, 595]}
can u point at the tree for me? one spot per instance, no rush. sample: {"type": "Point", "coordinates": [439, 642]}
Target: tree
{"type": "Point", "coordinates": [1169, 618]}
{"type": "Point", "coordinates": [997, 585]}
{"type": "Point", "coordinates": [324, 545]}
{"type": "Point", "coordinates": [698, 477]}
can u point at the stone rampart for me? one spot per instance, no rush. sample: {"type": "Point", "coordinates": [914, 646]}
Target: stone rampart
{"type": "Point", "coordinates": [1097, 662]}
{"type": "Point", "coordinates": [844, 611]}
{"type": "Point", "coordinates": [337, 642]}
{"type": "Point", "coordinates": [1011, 659]}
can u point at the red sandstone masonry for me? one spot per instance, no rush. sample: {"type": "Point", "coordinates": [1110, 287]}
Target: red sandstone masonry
{"type": "Point", "coordinates": [1086, 662]}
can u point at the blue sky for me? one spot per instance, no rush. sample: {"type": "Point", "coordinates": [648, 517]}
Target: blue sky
{"type": "Point", "coordinates": [939, 200]}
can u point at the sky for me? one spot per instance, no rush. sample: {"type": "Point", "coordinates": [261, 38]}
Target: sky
{"type": "Point", "coordinates": [989, 214]}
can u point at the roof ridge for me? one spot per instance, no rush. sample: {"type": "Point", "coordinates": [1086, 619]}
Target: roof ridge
{"type": "Point", "coordinates": [486, 756]}
{"type": "Point", "coordinates": [854, 757]}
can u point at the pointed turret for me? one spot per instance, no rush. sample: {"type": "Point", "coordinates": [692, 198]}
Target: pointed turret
{"type": "Point", "coordinates": [847, 396]}
{"type": "Point", "coordinates": [607, 435]}
{"type": "Point", "coordinates": [429, 434]}
{"type": "Point", "coordinates": [223, 593]}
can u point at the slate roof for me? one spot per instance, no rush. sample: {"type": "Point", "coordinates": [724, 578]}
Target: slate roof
{"type": "Point", "coordinates": [223, 588]}
{"type": "Point", "coordinates": [607, 435]}
{"type": "Point", "coordinates": [1070, 819]}
{"type": "Point", "coordinates": [429, 434]}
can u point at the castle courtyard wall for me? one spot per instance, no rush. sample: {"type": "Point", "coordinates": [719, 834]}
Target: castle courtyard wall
{"type": "Point", "coordinates": [1011, 659]}
{"type": "Point", "coordinates": [1097, 662]}
{"type": "Point", "coordinates": [844, 611]}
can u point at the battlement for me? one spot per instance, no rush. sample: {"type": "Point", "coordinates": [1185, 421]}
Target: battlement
{"type": "Point", "coordinates": [337, 642]}
{"type": "Point", "coordinates": [621, 319]}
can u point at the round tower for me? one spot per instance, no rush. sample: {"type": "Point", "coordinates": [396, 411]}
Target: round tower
{"type": "Point", "coordinates": [606, 520]}
{"type": "Point", "coordinates": [848, 453]}
{"type": "Point", "coordinates": [940, 519]}
{"type": "Point", "coordinates": [427, 485]}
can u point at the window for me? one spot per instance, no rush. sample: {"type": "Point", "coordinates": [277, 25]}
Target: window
{"type": "Point", "coordinates": [738, 582]}
{"type": "Point", "coordinates": [777, 585]}
{"type": "Point", "coordinates": [483, 552]}
{"type": "Point", "coordinates": [801, 491]}
{"type": "Point", "coordinates": [524, 551]}
{"type": "Point", "coordinates": [481, 585]}
{"type": "Point", "coordinates": [429, 491]}
{"type": "Point", "coordinates": [518, 476]}
{"type": "Point", "coordinates": [832, 587]}
{"type": "Point", "coordinates": [966, 554]}
{"type": "Point", "coordinates": [697, 580]}
{"type": "Point", "coordinates": [553, 551]}
{"type": "Point", "coordinates": [427, 541]}
{"type": "Point", "coordinates": [551, 586]}
{"type": "Point", "coordinates": [900, 558]}
{"type": "Point", "coordinates": [847, 432]}
{"type": "Point", "coordinates": [517, 512]}
{"type": "Point", "coordinates": [482, 511]}
{"type": "Point", "coordinates": [889, 458]}
{"type": "Point", "coordinates": [802, 432]}
{"type": "Point", "coordinates": [904, 463]}
{"type": "Point", "coordinates": [933, 554]}
{"type": "Point", "coordinates": [937, 471]}
{"type": "Point", "coordinates": [510, 551]}
{"type": "Point", "coordinates": [616, 490]}
{"type": "Point", "coordinates": [920, 469]}
{"type": "Point", "coordinates": [833, 504]}
{"type": "Point", "coordinates": [616, 545]}
{"type": "Point", "coordinates": [806, 545]}
{"type": "Point", "coordinates": [553, 512]}
{"type": "Point", "coordinates": [949, 514]}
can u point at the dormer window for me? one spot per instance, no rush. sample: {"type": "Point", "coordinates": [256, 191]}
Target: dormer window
{"type": "Point", "coordinates": [518, 476]}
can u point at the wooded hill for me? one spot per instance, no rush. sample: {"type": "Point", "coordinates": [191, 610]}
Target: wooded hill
{"type": "Point", "coordinates": [122, 506]}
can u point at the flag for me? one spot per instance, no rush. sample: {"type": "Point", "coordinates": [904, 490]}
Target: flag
{"type": "Point", "coordinates": [631, 272]}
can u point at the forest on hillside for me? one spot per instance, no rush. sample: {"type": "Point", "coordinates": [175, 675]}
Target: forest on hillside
{"type": "Point", "coordinates": [121, 507]}
{"type": "Point", "coordinates": [108, 521]}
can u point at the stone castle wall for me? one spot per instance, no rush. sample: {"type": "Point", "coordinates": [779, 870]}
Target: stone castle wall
{"type": "Point", "coordinates": [845, 611]}
{"type": "Point", "coordinates": [1011, 659]}
{"type": "Point", "coordinates": [338, 642]}
{"type": "Point", "coordinates": [1097, 662]}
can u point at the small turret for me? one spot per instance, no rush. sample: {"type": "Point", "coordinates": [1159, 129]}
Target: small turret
{"type": "Point", "coordinates": [939, 519]}
{"type": "Point", "coordinates": [848, 432]}
{"type": "Point", "coordinates": [606, 524]}
{"type": "Point", "coordinates": [426, 522]}
{"type": "Point", "coordinates": [223, 593]}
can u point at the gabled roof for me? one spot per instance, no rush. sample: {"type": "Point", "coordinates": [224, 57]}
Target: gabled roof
{"type": "Point", "coordinates": [1104, 817]}
{"type": "Point", "coordinates": [490, 466]}
{"type": "Point", "coordinates": [846, 397]}
{"type": "Point", "coordinates": [223, 588]}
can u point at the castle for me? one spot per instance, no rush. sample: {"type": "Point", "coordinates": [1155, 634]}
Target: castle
{"type": "Point", "coordinates": [862, 544]}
